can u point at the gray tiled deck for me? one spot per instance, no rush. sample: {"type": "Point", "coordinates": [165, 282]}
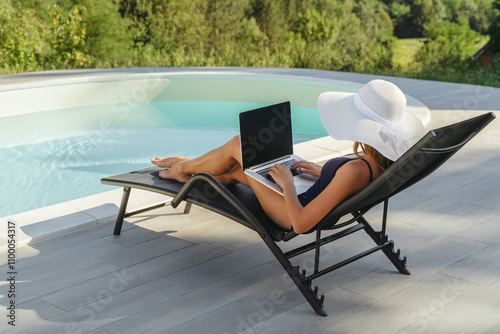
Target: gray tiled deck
{"type": "Point", "coordinates": [201, 273]}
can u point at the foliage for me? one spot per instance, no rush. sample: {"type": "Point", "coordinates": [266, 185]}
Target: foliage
{"type": "Point", "coordinates": [447, 43]}
{"type": "Point", "coordinates": [107, 36]}
{"type": "Point", "coordinates": [477, 12]}
{"type": "Point", "coordinates": [411, 16]}
{"type": "Point", "coordinates": [66, 37]}
{"type": "Point", "coordinates": [494, 29]}
{"type": "Point", "coordinates": [345, 35]}
{"type": "Point", "coordinates": [474, 75]}
{"type": "Point", "coordinates": [22, 39]}
{"type": "Point", "coordinates": [29, 44]}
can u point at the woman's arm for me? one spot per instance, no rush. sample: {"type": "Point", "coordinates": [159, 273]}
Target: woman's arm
{"type": "Point", "coordinates": [349, 179]}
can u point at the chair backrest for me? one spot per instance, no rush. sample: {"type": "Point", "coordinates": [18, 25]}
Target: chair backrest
{"type": "Point", "coordinates": [430, 152]}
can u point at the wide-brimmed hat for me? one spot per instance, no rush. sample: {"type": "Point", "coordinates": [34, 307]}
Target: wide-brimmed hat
{"type": "Point", "coordinates": [376, 115]}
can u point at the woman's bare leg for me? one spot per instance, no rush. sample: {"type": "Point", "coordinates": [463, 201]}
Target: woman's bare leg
{"type": "Point", "coordinates": [224, 163]}
{"type": "Point", "coordinates": [272, 202]}
{"type": "Point", "coordinates": [167, 162]}
{"type": "Point", "coordinates": [216, 162]}
{"type": "Point", "coordinates": [235, 175]}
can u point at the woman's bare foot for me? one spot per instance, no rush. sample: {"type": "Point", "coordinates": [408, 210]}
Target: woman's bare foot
{"type": "Point", "coordinates": [167, 162]}
{"type": "Point", "coordinates": [174, 173]}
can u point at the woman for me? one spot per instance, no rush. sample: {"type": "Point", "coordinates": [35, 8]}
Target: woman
{"type": "Point", "coordinates": [375, 118]}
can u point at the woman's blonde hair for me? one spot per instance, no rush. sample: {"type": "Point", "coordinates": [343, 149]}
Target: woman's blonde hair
{"type": "Point", "coordinates": [382, 162]}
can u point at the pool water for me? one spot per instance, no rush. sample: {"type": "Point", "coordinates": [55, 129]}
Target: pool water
{"type": "Point", "coordinates": [56, 156]}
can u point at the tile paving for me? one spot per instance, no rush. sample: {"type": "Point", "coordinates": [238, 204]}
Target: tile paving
{"type": "Point", "coordinates": [175, 273]}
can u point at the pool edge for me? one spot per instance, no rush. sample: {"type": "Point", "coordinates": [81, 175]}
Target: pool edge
{"type": "Point", "coordinates": [45, 223]}
{"type": "Point", "coordinates": [66, 217]}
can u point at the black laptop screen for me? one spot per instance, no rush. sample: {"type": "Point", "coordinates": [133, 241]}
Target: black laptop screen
{"type": "Point", "coordinates": [265, 134]}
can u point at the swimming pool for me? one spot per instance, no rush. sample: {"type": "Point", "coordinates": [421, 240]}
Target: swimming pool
{"type": "Point", "coordinates": [61, 131]}
{"type": "Point", "coordinates": [56, 156]}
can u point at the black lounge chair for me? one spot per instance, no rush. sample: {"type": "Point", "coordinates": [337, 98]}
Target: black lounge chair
{"type": "Point", "coordinates": [240, 204]}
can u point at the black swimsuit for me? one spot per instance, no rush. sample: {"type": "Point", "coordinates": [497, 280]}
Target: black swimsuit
{"type": "Point", "coordinates": [327, 173]}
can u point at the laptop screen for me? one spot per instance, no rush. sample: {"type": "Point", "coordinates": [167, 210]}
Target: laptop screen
{"type": "Point", "coordinates": [265, 134]}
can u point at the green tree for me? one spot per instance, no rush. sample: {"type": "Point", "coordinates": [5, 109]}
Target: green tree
{"type": "Point", "coordinates": [348, 35]}
{"type": "Point", "coordinates": [477, 12]}
{"type": "Point", "coordinates": [424, 13]}
{"type": "Point", "coordinates": [494, 29]}
{"type": "Point", "coordinates": [401, 17]}
{"type": "Point", "coordinates": [107, 36]}
{"type": "Point", "coordinates": [313, 26]}
{"type": "Point", "coordinates": [22, 39]}
{"type": "Point", "coordinates": [270, 19]}
{"type": "Point", "coordinates": [448, 44]}
{"type": "Point", "coordinates": [67, 38]}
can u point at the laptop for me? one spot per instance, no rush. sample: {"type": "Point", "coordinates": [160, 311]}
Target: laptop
{"type": "Point", "coordinates": [266, 139]}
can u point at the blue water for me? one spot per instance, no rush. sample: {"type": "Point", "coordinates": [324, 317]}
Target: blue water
{"type": "Point", "coordinates": [56, 156]}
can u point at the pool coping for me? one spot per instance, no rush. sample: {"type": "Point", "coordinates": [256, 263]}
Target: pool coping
{"type": "Point", "coordinates": [442, 96]}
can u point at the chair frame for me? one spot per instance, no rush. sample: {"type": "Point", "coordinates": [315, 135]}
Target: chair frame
{"type": "Point", "coordinates": [204, 190]}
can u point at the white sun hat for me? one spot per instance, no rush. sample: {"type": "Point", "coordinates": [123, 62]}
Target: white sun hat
{"type": "Point", "coordinates": [376, 115]}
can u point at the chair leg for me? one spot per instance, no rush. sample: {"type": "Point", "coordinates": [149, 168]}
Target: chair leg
{"type": "Point", "coordinates": [305, 287]}
{"type": "Point", "coordinates": [121, 211]}
{"type": "Point", "coordinates": [300, 280]}
{"type": "Point", "coordinates": [187, 208]}
{"type": "Point", "coordinates": [392, 255]}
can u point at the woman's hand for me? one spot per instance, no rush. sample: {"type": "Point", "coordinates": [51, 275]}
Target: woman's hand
{"type": "Point", "coordinates": [281, 175]}
{"type": "Point", "coordinates": [308, 168]}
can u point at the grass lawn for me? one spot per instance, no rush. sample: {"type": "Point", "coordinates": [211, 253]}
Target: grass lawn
{"type": "Point", "coordinates": [404, 54]}
{"type": "Point", "coordinates": [405, 51]}
{"type": "Point", "coordinates": [406, 48]}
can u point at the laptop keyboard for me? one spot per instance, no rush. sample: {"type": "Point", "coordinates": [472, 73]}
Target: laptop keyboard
{"type": "Point", "coordinates": [288, 164]}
